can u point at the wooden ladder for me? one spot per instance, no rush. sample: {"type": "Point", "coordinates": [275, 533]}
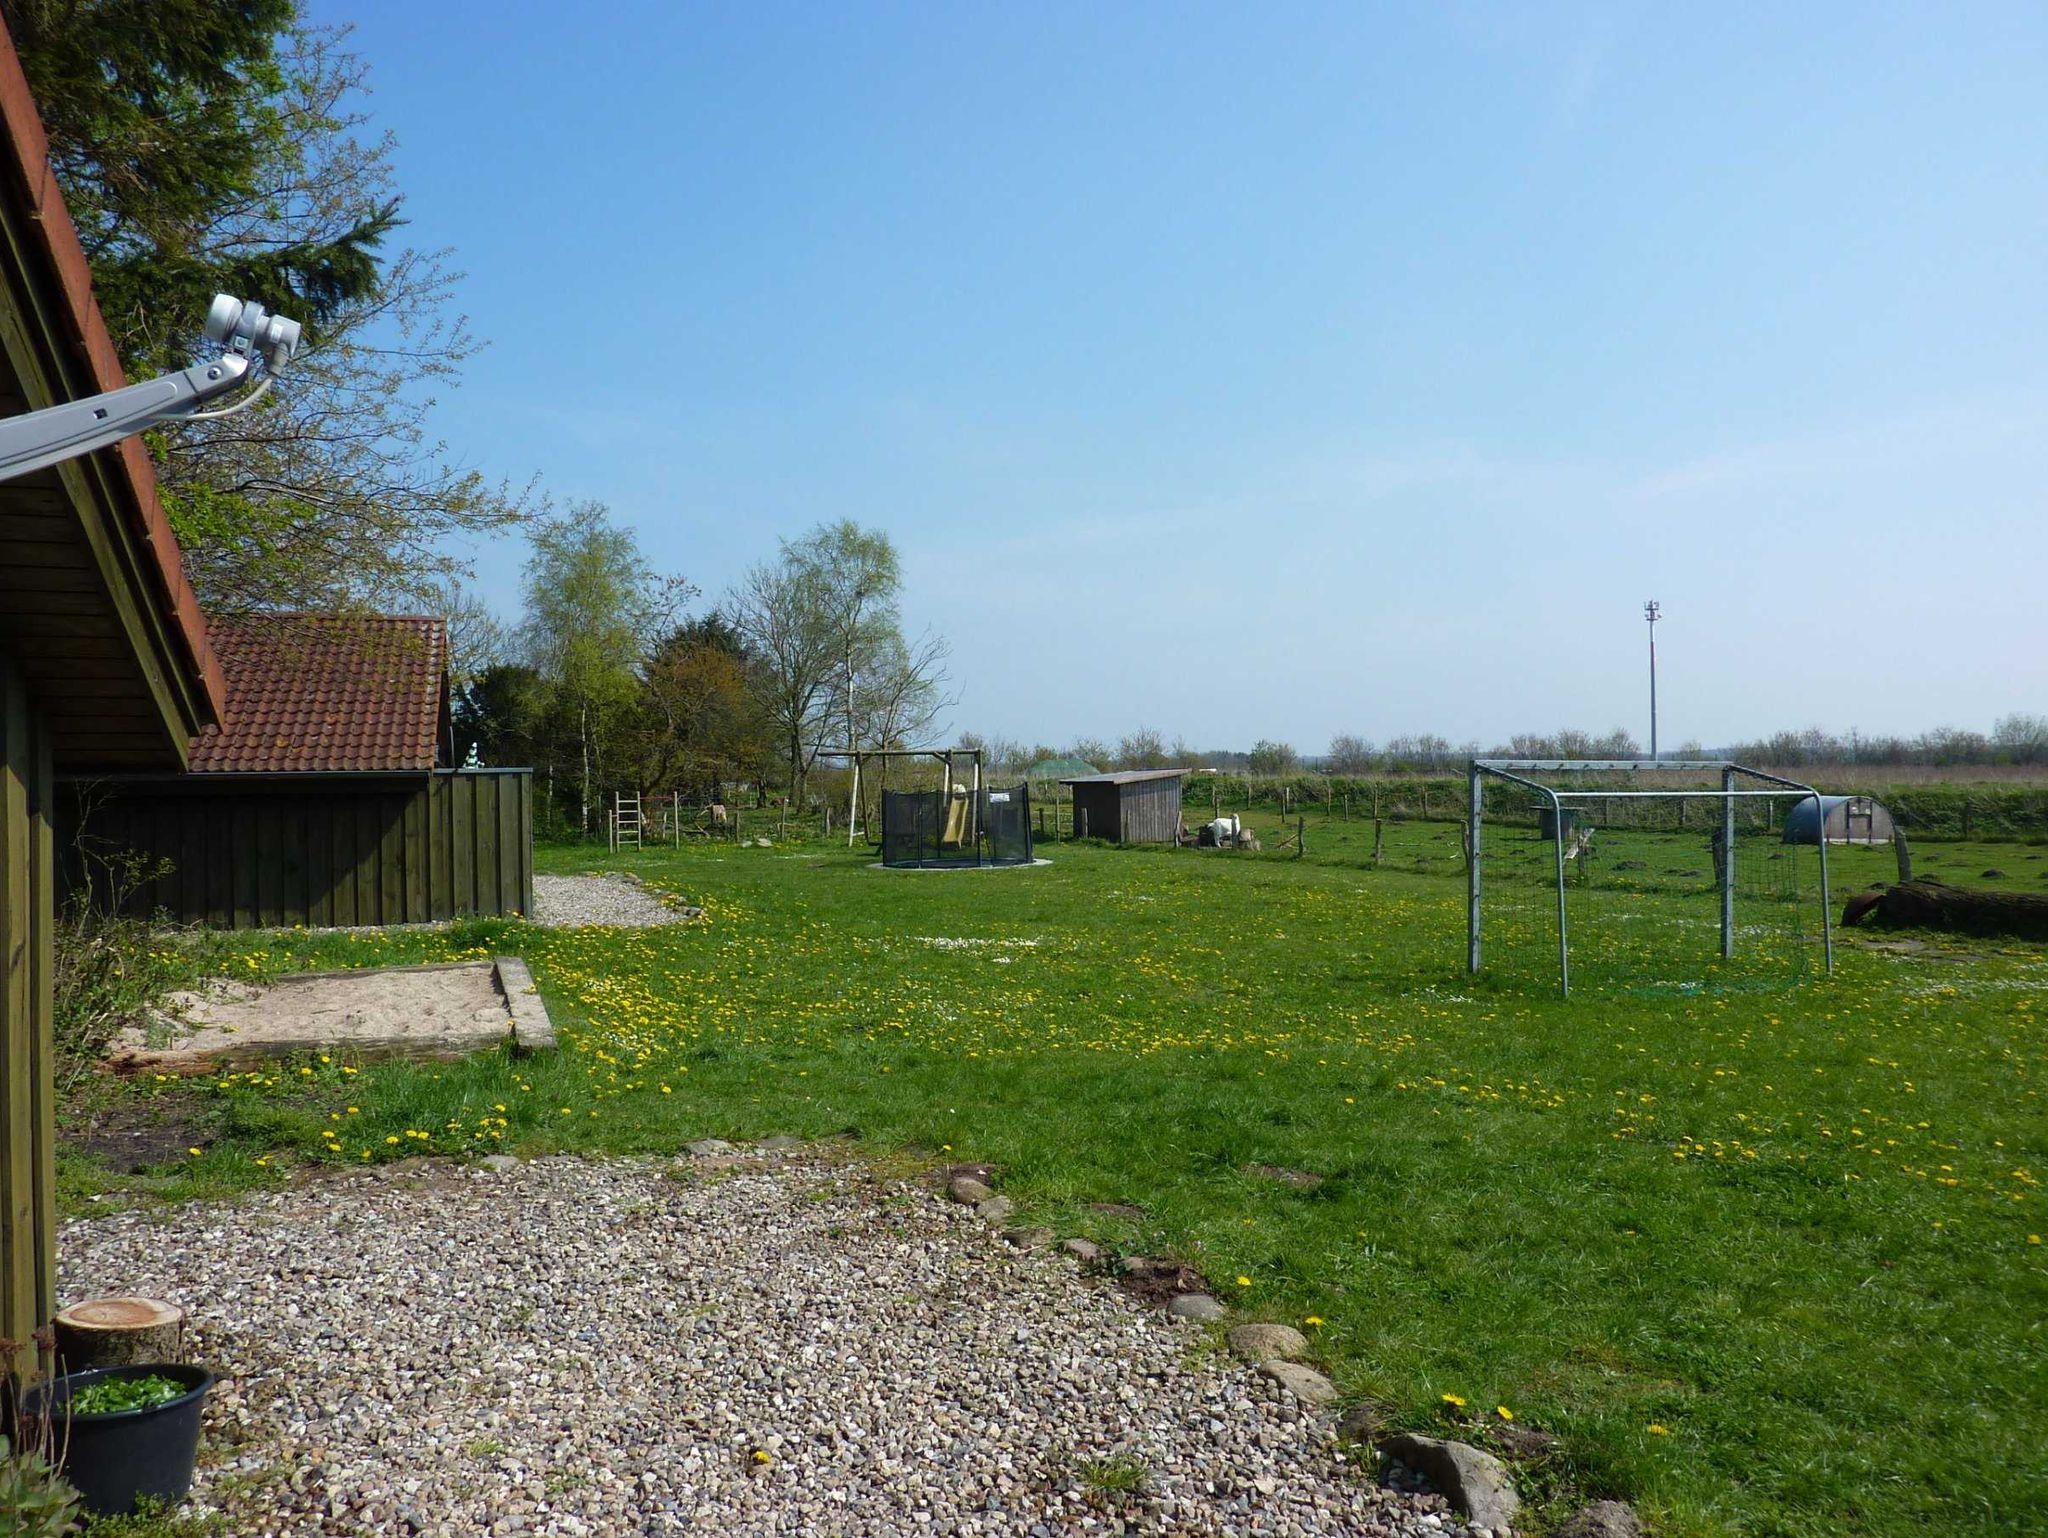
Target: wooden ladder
{"type": "Point", "coordinates": [625, 820]}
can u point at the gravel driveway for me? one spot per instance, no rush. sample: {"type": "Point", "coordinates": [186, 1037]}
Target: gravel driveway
{"type": "Point", "coordinates": [610, 899]}
{"type": "Point", "coordinates": [759, 1346]}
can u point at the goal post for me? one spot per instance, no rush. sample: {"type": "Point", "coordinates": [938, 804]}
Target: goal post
{"type": "Point", "coordinates": [1585, 782]}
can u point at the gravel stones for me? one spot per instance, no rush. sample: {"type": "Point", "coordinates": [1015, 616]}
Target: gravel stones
{"type": "Point", "coordinates": [1476, 1484]}
{"type": "Point", "coordinates": [1259, 1342]}
{"type": "Point", "coordinates": [613, 901]}
{"type": "Point", "coordinates": [709, 1148]}
{"type": "Point", "coordinates": [1198, 1306]}
{"type": "Point", "coordinates": [591, 1348]}
{"type": "Point", "coordinates": [498, 1164]}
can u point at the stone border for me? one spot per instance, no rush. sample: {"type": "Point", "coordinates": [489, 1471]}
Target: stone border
{"type": "Point", "coordinates": [532, 1030]}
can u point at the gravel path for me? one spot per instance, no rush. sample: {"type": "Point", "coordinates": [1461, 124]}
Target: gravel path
{"type": "Point", "coordinates": [755, 1346]}
{"type": "Point", "coordinates": [612, 899]}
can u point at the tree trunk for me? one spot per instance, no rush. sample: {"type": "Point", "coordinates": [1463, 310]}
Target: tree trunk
{"type": "Point", "coordinates": [583, 734]}
{"type": "Point", "coordinates": [119, 1332]}
{"type": "Point", "coordinates": [1934, 905]}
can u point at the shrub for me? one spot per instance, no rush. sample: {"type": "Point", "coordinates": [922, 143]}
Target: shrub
{"type": "Point", "coordinates": [113, 969]}
{"type": "Point", "coordinates": [34, 1501]}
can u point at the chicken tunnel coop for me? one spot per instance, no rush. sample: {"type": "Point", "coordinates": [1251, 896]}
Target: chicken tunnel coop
{"type": "Point", "coordinates": [950, 819]}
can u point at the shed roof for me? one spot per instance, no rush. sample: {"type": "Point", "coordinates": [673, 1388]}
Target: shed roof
{"type": "Point", "coordinates": [1125, 777]}
{"type": "Point", "coordinates": [327, 693]}
{"type": "Point", "coordinates": [1061, 769]}
{"type": "Point", "coordinates": [95, 608]}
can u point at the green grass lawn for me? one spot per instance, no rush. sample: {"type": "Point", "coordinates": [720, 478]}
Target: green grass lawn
{"type": "Point", "coordinates": [1757, 1245]}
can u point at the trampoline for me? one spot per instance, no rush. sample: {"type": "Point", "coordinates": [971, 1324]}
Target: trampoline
{"type": "Point", "coordinates": [956, 828]}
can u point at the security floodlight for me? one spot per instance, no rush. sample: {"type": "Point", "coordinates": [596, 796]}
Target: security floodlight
{"type": "Point", "coordinates": [248, 333]}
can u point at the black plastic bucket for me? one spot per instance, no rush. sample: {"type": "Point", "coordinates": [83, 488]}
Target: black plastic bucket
{"type": "Point", "coordinates": [119, 1458]}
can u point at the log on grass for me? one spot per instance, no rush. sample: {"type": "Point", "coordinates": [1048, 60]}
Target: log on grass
{"type": "Point", "coordinates": [1936, 905]}
{"type": "Point", "coordinates": [119, 1332]}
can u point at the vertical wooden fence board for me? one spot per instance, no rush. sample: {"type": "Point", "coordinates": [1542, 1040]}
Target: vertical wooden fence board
{"type": "Point", "coordinates": [319, 862]}
{"type": "Point", "coordinates": [510, 843]}
{"type": "Point", "coordinates": [486, 846]}
{"type": "Point", "coordinates": [367, 850]}
{"type": "Point", "coordinates": [266, 855]}
{"type": "Point", "coordinates": [418, 854]}
{"type": "Point", "coordinates": [462, 821]}
{"type": "Point", "coordinates": [341, 831]}
{"type": "Point", "coordinates": [525, 785]}
{"type": "Point", "coordinates": [296, 879]}
{"type": "Point", "coordinates": [440, 850]}
{"type": "Point", "coordinates": [27, 1131]}
{"type": "Point", "coordinates": [243, 863]}
{"type": "Point", "coordinates": [391, 859]}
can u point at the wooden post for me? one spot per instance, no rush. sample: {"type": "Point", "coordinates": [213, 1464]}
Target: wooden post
{"type": "Point", "coordinates": [1379, 837]}
{"type": "Point", "coordinates": [1300, 837]}
{"type": "Point", "coordinates": [1903, 854]}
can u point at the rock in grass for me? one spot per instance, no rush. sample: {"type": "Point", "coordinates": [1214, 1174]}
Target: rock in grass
{"type": "Point", "coordinates": [1476, 1484]}
{"type": "Point", "coordinates": [1300, 1180]}
{"type": "Point", "coordinates": [968, 1191]}
{"type": "Point", "coordinates": [1198, 1306]}
{"type": "Point", "coordinates": [1304, 1383]}
{"type": "Point", "coordinates": [1032, 1239]}
{"type": "Point", "coordinates": [1525, 1443]}
{"type": "Point", "coordinates": [1087, 1251]}
{"type": "Point", "coordinates": [1362, 1423]}
{"type": "Point", "coordinates": [709, 1148]}
{"type": "Point", "coordinates": [1602, 1519]}
{"type": "Point", "coordinates": [1259, 1342]}
{"type": "Point", "coordinates": [996, 1209]}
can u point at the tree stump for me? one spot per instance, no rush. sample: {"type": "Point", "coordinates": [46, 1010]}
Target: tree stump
{"type": "Point", "coordinates": [119, 1332]}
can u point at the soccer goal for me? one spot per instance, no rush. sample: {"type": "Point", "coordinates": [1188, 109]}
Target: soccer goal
{"type": "Point", "coordinates": [1647, 862]}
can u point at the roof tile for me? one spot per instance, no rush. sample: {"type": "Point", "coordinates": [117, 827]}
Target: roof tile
{"type": "Point", "coordinates": [326, 693]}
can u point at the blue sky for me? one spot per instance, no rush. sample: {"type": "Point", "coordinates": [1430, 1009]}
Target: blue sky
{"type": "Point", "coordinates": [1349, 368]}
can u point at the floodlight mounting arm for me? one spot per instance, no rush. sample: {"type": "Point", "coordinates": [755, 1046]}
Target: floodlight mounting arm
{"type": "Point", "coordinates": [249, 334]}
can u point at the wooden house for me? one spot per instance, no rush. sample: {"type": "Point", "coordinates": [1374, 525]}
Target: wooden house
{"type": "Point", "coordinates": [104, 662]}
{"type": "Point", "coordinates": [1131, 806]}
{"type": "Point", "coordinates": [324, 797]}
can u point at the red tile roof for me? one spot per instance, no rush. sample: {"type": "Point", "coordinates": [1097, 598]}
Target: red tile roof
{"type": "Point", "coordinates": [326, 693]}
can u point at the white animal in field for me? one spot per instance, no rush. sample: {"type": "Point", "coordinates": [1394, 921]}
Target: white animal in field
{"type": "Point", "coordinates": [1221, 832]}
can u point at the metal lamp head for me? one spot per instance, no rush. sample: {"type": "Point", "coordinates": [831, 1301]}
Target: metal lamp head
{"type": "Point", "coordinates": [245, 327]}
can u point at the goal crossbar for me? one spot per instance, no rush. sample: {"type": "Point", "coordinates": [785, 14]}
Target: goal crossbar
{"type": "Point", "coordinates": [1518, 771]}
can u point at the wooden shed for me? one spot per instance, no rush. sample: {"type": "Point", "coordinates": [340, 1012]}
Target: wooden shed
{"type": "Point", "coordinates": [104, 663]}
{"type": "Point", "coordinates": [1132, 806]}
{"type": "Point", "coordinates": [323, 798]}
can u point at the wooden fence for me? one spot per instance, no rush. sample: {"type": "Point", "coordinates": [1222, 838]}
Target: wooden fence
{"type": "Point", "coordinates": [263, 851]}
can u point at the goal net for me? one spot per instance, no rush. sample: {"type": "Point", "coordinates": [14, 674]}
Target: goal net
{"type": "Point", "coordinates": [1641, 877]}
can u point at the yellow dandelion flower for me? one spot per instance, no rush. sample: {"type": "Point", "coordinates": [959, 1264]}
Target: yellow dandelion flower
{"type": "Point", "coordinates": [1656, 1430]}
{"type": "Point", "coordinates": [1503, 1412]}
{"type": "Point", "coordinates": [1455, 1401]}
{"type": "Point", "coordinates": [1242, 1281]}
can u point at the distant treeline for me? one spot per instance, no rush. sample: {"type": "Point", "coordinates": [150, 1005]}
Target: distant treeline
{"type": "Point", "coordinates": [2014, 741]}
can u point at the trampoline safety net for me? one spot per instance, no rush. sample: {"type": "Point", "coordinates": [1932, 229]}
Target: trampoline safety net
{"type": "Point", "coordinates": [924, 829]}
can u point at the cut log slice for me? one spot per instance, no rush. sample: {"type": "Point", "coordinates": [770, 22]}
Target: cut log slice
{"type": "Point", "coordinates": [119, 1332]}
